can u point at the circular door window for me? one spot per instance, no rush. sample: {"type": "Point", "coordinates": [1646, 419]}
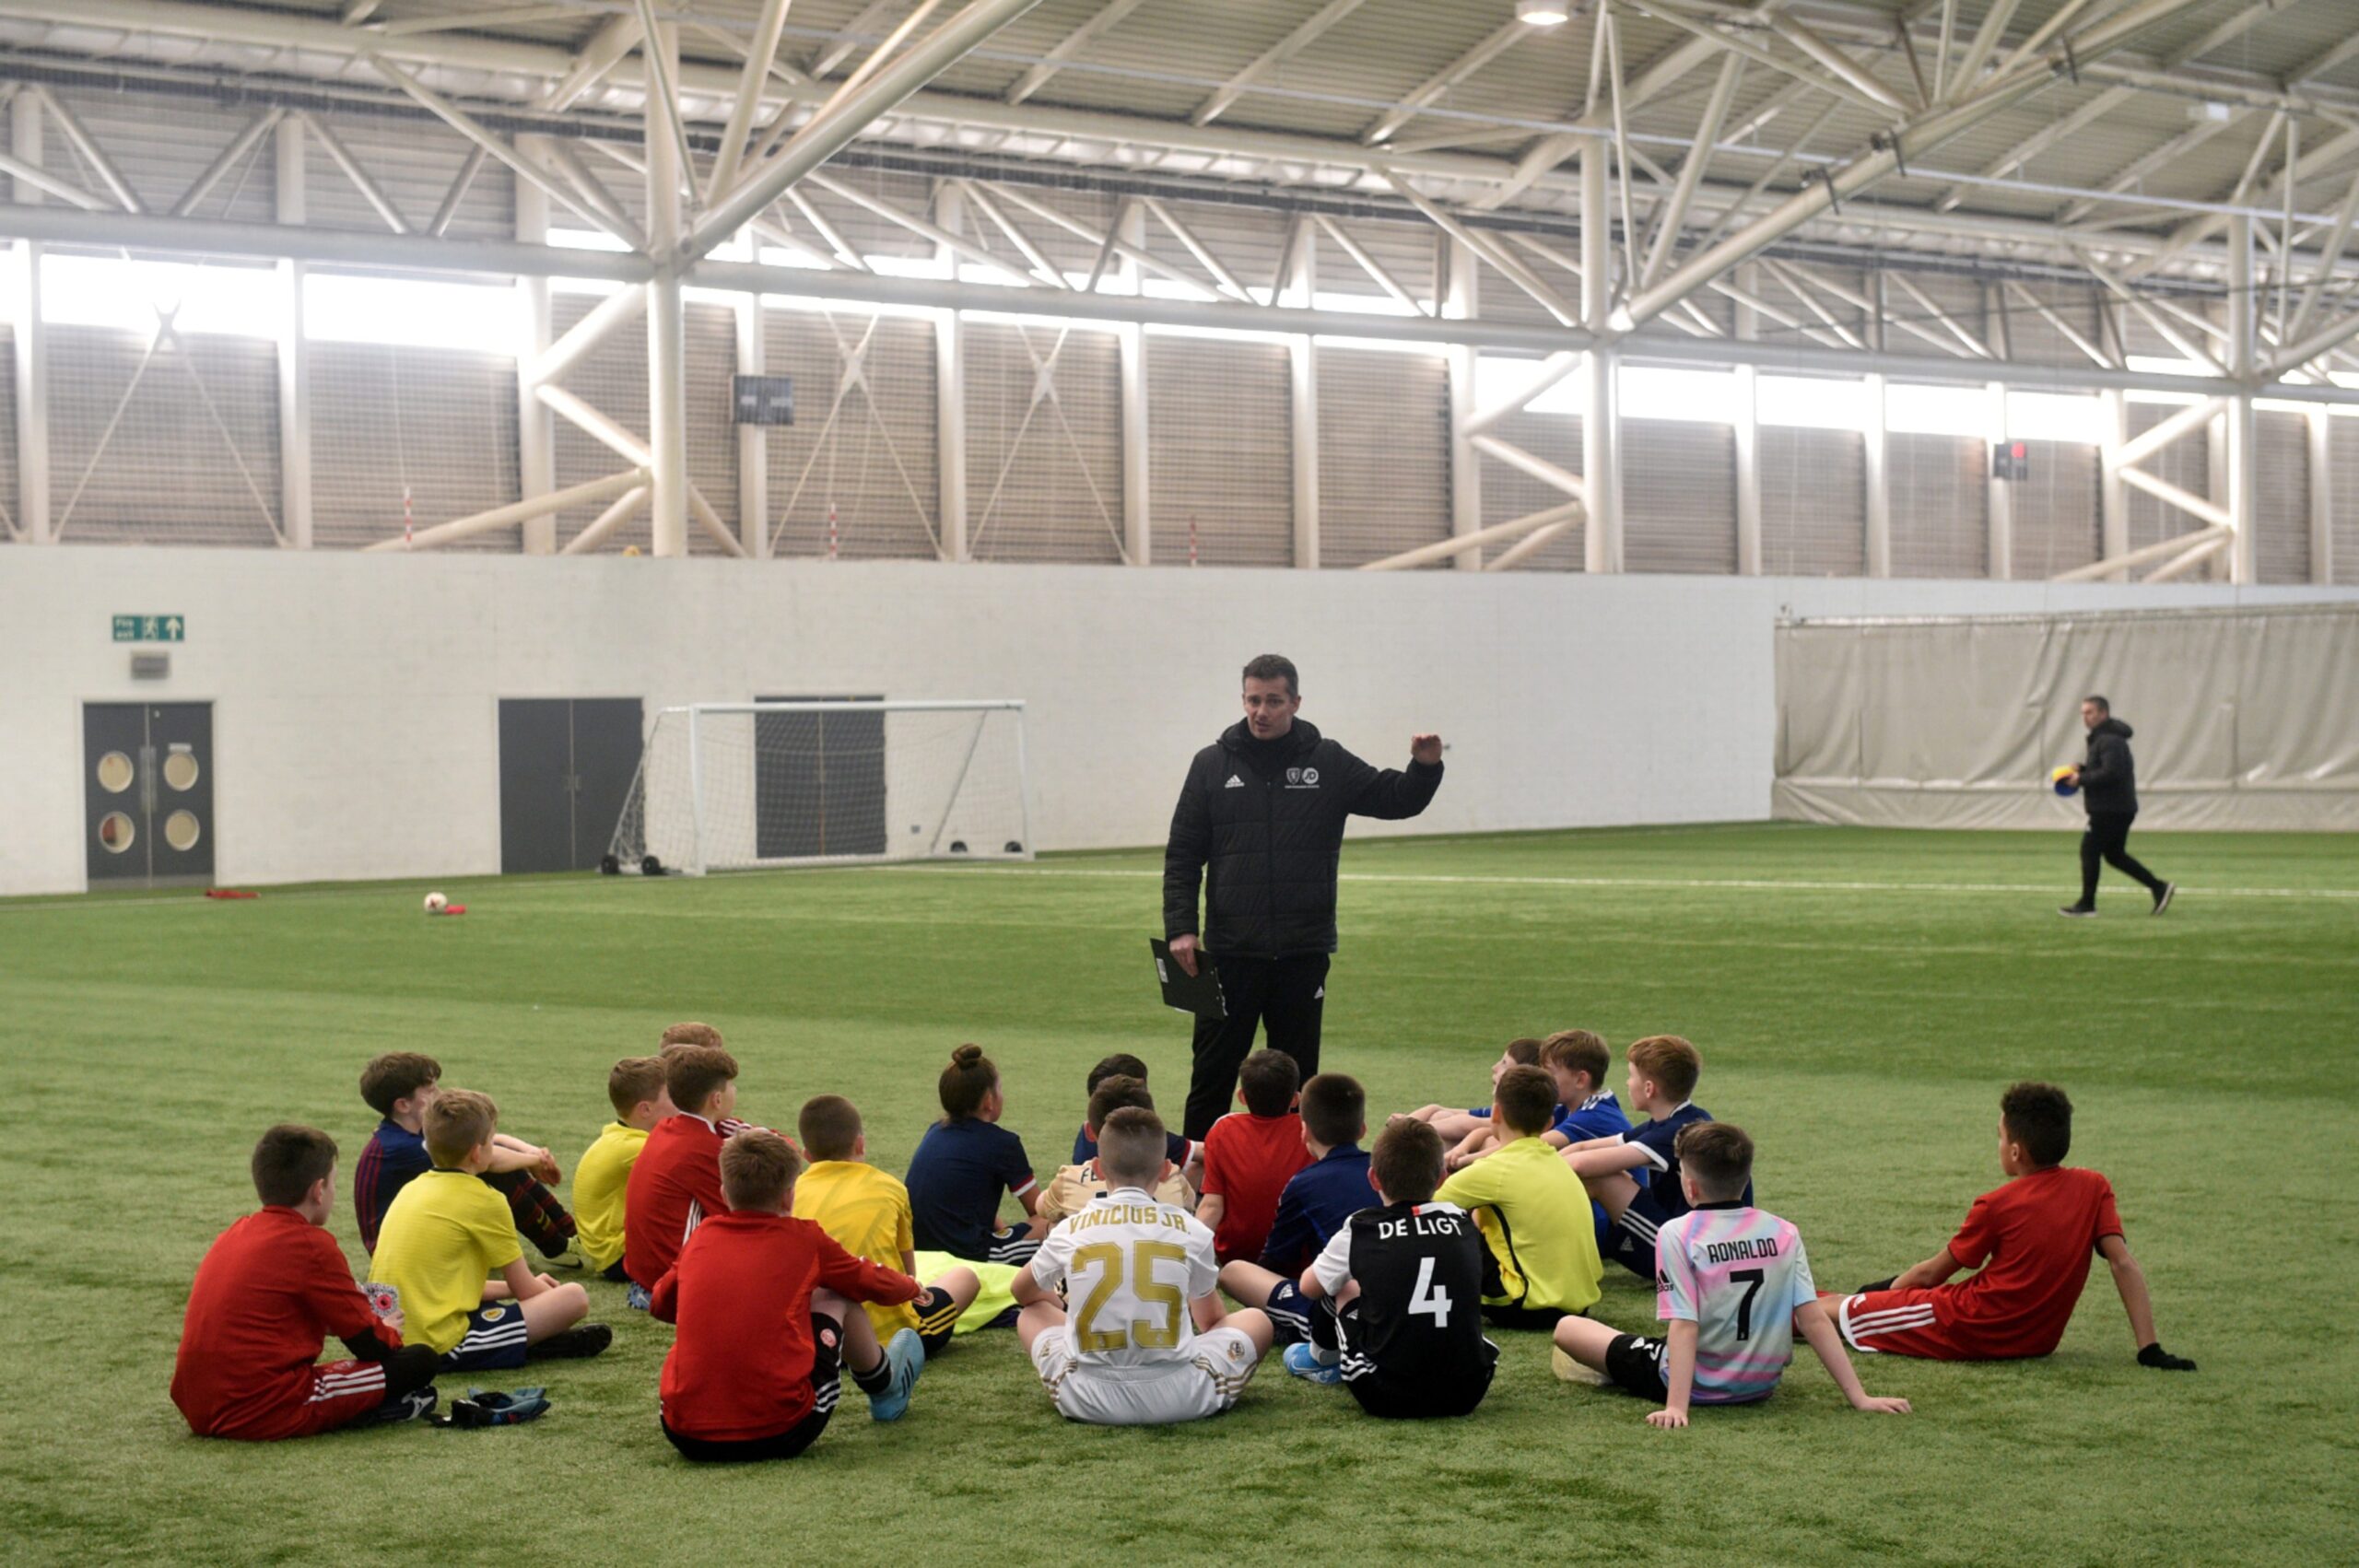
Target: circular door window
{"type": "Point", "coordinates": [115, 773]}
{"type": "Point", "coordinates": [180, 770]}
{"type": "Point", "coordinates": [181, 830]}
{"type": "Point", "coordinates": [116, 832]}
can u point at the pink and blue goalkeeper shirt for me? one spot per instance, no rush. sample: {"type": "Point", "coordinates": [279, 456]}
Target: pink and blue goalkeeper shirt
{"type": "Point", "coordinates": [1739, 1274]}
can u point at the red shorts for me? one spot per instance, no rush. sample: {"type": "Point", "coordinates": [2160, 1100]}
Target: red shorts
{"type": "Point", "coordinates": [341, 1393]}
{"type": "Point", "coordinates": [1900, 1323]}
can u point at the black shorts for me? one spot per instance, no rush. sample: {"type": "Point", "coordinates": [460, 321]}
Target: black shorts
{"type": "Point", "coordinates": [1501, 1316]}
{"type": "Point", "coordinates": [1635, 1364]}
{"type": "Point", "coordinates": [1415, 1393]}
{"type": "Point", "coordinates": [938, 1313]}
{"type": "Point", "coordinates": [826, 1339]}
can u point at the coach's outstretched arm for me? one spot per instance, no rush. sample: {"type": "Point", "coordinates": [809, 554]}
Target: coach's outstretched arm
{"type": "Point", "coordinates": [2130, 1280]}
{"type": "Point", "coordinates": [1392, 792]}
{"type": "Point", "coordinates": [1184, 854]}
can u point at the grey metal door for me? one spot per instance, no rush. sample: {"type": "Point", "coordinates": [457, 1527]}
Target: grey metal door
{"type": "Point", "coordinates": [818, 782]}
{"type": "Point", "coordinates": [566, 764]}
{"type": "Point", "coordinates": [147, 793]}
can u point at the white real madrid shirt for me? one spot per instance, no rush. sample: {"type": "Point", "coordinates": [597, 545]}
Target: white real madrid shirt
{"type": "Point", "coordinates": [1129, 1266]}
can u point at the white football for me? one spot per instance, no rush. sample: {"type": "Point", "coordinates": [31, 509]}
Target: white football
{"type": "Point", "coordinates": [436, 903]}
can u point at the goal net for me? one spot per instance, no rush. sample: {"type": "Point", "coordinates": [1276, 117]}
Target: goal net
{"type": "Point", "coordinates": [734, 786]}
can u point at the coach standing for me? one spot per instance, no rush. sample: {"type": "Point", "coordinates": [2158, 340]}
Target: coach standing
{"type": "Point", "coordinates": [1262, 810]}
{"type": "Point", "coordinates": [2108, 782]}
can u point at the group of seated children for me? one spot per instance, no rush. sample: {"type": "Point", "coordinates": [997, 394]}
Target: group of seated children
{"type": "Point", "coordinates": [1377, 1269]}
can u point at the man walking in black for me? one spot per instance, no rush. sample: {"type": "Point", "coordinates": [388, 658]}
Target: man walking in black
{"type": "Point", "coordinates": [1263, 810]}
{"type": "Point", "coordinates": [2108, 782]}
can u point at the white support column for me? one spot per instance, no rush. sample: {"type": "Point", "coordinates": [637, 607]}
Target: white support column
{"type": "Point", "coordinates": [2243, 479]}
{"type": "Point", "coordinates": [1877, 476]}
{"type": "Point", "coordinates": [1460, 303]}
{"type": "Point", "coordinates": [2113, 494]}
{"type": "Point", "coordinates": [1138, 542]}
{"type": "Point", "coordinates": [1302, 360]}
{"type": "Point", "coordinates": [1748, 437]}
{"type": "Point", "coordinates": [535, 427]}
{"type": "Point", "coordinates": [950, 391]}
{"type": "Point", "coordinates": [2321, 454]}
{"type": "Point", "coordinates": [1602, 410]}
{"type": "Point", "coordinates": [31, 341]}
{"type": "Point", "coordinates": [667, 371]}
{"type": "Point", "coordinates": [753, 440]}
{"type": "Point", "coordinates": [294, 351]}
{"type": "Point", "coordinates": [1999, 560]}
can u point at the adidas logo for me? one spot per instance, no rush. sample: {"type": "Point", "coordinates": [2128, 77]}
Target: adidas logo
{"type": "Point", "coordinates": [1234, 783]}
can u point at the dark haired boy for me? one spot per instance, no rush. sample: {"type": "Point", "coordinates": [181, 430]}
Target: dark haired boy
{"type": "Point", "coordinates": [1183, 1154]}
{"type": "Point", "coordinates": [1317, 1201]}
{"type": "Point", "coordinates": [1533, 1215]}
{"type": "Point", "coordinates": [1397, 1293]}
{"type": "Point", "coordinates": [1250, 1156]}
{"type": "Point", "coordinates": [867, 1213]}
{"type": "Point", "coordinates": [399, 1086]}
{"type": "Point", "coordinates": [1634, 1176]}
{"type": "Point", "coordinates": [1075, 1187]}
{"type": "Point", "coordinates": [675, 1182]}
{"type": "Point", "coordinates": [1733, 1284]}
{"type": "Point", "coordinates": [763, 1305]}
{"type": "Point", "coordinates": [2030, 1242]}
{"type": "Point", "coordinates": [271, 1289]}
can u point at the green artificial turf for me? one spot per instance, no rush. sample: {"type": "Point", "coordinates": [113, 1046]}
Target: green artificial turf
{"type": "Point", "coordinates": [1861, 998]}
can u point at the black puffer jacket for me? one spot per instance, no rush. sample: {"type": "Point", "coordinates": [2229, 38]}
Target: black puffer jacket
{"type": "Point", "coordinates": [2108, 779]}
{"type": "Point", "coordinates": [1271, 835]}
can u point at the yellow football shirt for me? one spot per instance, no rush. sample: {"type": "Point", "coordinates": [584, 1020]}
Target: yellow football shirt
{"type": "Point", "coordinates": [600, 1179]}
{"type": "Point", "coordinates": [1534, 1216]}
{"type": "Point", "coordinates": [867, 1212]}
{"type": "Point", "coordinates": [444, 1234]}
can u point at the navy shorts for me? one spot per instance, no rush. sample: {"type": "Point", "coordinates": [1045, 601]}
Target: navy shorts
{"type": "Point", "coordinates": [1633, 1237]}
{"type": "Point", "coordinates": [495, 1341]}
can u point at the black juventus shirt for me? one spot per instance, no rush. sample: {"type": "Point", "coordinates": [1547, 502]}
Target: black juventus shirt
{"type": "Point", "coordinates": [1417, 1326]}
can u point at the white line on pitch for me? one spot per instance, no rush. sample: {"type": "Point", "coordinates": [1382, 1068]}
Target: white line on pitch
{"type": "Point", "coordinates": [1745, 883]}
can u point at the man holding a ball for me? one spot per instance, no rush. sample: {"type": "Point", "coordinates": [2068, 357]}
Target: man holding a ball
{"type": "Point", "coordinates": [2108, 786]}
{"type": "Point", "coordinates": [1263, 811]}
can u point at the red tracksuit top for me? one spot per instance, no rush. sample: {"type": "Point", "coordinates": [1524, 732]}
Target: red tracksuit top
{"type": "Point", "coordinates": [741, 1293]}
{"type": "Point", "coordinates": [674, 1186]}
{"type": "Point", "coordinates": [269, 1291]}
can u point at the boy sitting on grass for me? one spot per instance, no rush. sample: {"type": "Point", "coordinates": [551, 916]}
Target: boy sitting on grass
{"type": "Point", "coordinates": [1317, 1201]}
{"type": "Point", "coordinates": [1578, 1060]}
{"type": "Point", "coordinates": [1073, 1187]}
{"type": "Point", "coordinates": [763, 1303]}
{"type": "Point", "coordinates": [1735, 1284]}
{"type": "Point", "coordinates": [1396, 1294]}
{"type": "Point", "coordinates": [1189, 1157]}
{"type": "Point", "coordinates": [1634, 1175]}
{"type": "Point", "coordinates": [1454, 1125]}
{"type": "Point", "coordinates": [447, 1234]}
{"type": "Point", "coordinates": [679, 1034]}
{"type": "Point", "coordinates": [271, 1289]}
{"type": "Point", "coordinates": [1533, 1214]}
{"type": "Point", "coordinates": [399, 1086]}
{"type": "Point", "coordinates": [674, 1184]}
{"type": "Point", "coordinates": [602, 1178]}
{"type": "Point", "coordinates": [1250, 1155]}
{"type": "Point", "coordinates": [1146, 1343]}
{"type": "Point", "coordinates": [867, 1213]}
{"type": "Point", "coordinates": [2030, 1241]}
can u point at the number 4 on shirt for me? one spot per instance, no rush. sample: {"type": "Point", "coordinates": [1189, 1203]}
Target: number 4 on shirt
{"type": "Point", "coordinates": [1426, 1299]}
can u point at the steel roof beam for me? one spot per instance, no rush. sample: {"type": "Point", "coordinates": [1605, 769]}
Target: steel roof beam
{"type": "Point", "coordinates": [1278, 53]}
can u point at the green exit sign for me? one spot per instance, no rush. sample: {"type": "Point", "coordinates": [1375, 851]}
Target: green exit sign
{"type": "Point", "coordinates": [150, 628]}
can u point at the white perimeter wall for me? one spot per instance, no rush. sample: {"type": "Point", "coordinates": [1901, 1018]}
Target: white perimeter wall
{"type": "Point", "coordinates": [356, 698]}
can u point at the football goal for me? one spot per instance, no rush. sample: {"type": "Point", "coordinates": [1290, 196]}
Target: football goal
{"type": "Point", "coordinates": [741, 784]}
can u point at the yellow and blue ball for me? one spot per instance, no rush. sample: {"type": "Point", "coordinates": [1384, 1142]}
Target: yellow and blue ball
{"type": "Point", "coordinates": [2065, 782]}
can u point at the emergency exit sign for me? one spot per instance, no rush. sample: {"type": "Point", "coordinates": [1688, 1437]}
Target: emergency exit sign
{"type": "Point", "coordinates": [149, 628]}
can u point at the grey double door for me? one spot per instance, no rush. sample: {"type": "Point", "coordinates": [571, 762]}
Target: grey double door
{"type": "Point", "coordinates": [147, 793]}
{"type": "Point", "coordinates": [566, 765]}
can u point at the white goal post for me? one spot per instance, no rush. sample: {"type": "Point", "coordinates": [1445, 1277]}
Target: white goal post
{"type": "Point", "coordinates": [735, 785]}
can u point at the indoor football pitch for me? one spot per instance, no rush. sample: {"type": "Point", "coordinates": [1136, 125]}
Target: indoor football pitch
{"type": "Point", "coordinates": [1859, 998]}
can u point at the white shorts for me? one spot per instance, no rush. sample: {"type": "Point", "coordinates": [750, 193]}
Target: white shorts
{"type": "Point", "coordinates": [1213, 1372]}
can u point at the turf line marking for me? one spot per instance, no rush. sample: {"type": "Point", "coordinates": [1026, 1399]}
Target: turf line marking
{"type": "Point", "coordinates": [1735, 883]}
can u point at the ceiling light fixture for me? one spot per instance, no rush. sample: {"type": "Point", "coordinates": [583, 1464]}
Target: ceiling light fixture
{"type": "Point", "coordinates": [1541, 13]}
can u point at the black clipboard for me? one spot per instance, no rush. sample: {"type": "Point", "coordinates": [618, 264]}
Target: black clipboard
{"type": "Point", "coordinates": [1198, 993]}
